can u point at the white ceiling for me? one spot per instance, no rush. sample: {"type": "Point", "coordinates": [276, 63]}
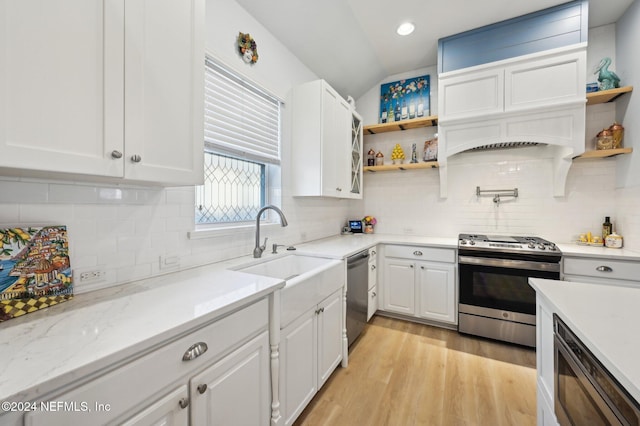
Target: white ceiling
{"type": "Point", "coordinates": [353, 44]}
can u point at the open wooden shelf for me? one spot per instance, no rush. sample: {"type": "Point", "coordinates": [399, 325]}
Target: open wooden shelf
{"type": "Point", "coordinates": [406, 166]}
{"type": "Point", "coordinates": [415, 123]}
{"type": "Point", "coordinates": [604, 96]}
{"type": "Point", "coordinates": [603, 153]}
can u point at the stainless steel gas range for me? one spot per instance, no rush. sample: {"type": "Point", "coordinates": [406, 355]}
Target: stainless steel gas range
{"type": "Point", "coordinates": [495, 299]}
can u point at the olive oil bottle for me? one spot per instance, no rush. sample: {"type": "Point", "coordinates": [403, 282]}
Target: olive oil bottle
{"type": "Point", "coordinates": [606, 228]}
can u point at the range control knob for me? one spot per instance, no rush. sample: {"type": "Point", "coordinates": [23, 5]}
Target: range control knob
{"type": "Point", "coordinates": [541, 246]}
{"type": "Point", "coordinates": [531, 245]}
{"type": "Point", "coordinates": [552, 247]}
{"type": "Point", "coordinates": [463, 242]}
{"type": "Point", "coordinates": [472, 243]}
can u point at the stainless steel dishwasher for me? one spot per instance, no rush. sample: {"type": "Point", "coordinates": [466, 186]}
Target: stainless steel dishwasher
{"type": "Point", "coordinates": [357, 294]}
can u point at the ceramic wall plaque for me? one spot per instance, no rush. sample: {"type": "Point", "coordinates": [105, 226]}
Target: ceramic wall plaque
{"type": "Point", "coordinates": [35, 271]}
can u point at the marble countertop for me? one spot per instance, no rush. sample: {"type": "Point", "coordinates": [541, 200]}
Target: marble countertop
{"type": "Point", "coordinates": [598, 252]}
{"type": "Point", "coordinates": [603, 317]}
{"type": "Point", "coordinates": [46, 350]}
{"type": "Point", "coordinates": [342, 246]}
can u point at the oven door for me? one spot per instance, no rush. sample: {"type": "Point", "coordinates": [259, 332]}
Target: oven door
{"type": "Point", "coordinates": [576, 400]}
{"type": "Point", "coordinates": [502, 284]}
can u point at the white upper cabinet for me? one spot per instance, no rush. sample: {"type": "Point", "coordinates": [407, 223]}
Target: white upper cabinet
{"type": "Point", "coordinates": [322, 143]}
{"type": "Point", "coordinates": [102, 88]}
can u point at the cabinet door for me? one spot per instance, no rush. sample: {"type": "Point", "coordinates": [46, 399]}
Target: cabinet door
{"type": "Point", "coordinates": [372, 306]}
{"type": "Point", "coordinates": [61, 85]}
{"type": "Point", "coordinates": [336, 125]}
{"type": "Point", "coordinates": [437, 291]}
{"type": "Point", "coordinates": [236, 389]}
{"type": "Point", "coordinates": [298, 372]}
{"type": "Point", "coordinates": [164, 74]}
{"type": "Point", "coordinates": [399, 286]}
{"type": "Point", "coordinates": [545, 82]}
{"type": "Point", "coordinates": [170, 410]}
{"type": "Point", "coordinates": [356, 155]}
{"type": "Point", "coordinates": [330, 324]}
{"type": "Point", "coordinates": [471, 95]}
{"type": "Point", "coordinates": [373, 274]}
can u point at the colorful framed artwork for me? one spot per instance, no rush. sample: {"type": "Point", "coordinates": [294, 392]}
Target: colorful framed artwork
{"type": "Point", "coordinates": [35, 271]}
{"type": "Point", "coordinates": [405, 99]}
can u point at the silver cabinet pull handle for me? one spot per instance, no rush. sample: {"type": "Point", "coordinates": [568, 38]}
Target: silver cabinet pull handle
{"type": "Point", "coordinates": [115, 154]}
{"type": "Point", "coordinates": [202, 388]}
{"type": "Point", "coordinates": [195, 351]}
{"type": "Point", "coordinates": [339, 189]}
{"type": "Point", "coordinates": [184, 403]}
{"type": "Point", "coordinates": [604, 269]}
{"type": "Point", "coordinates": [417, 253]}
{"type": "Point", "coordinates": [136, 158]}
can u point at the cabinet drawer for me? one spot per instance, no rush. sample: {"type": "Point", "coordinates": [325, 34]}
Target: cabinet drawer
{"type": "Point", "coordinates": [127, 388]}
{"type": "Point", "coordinates": [421, 253]}
{"type": "Point", "coordinates": [602, 268]}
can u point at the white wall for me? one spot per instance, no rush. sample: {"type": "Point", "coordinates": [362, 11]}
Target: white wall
{"type": "Point", "coordinates": [124, 230]}
{"type": "Point", "coordinates": [628, 113]}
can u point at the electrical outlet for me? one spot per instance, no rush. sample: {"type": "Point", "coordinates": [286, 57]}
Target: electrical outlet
{"type": "Point", "coordinates": [169, 262]}
{"type": "Point", "coordinates": [91, 275]}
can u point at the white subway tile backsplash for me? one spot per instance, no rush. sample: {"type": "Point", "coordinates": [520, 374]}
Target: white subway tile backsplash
{"type": "Point", "coordinates": [13, 191]}
{"type": "Point", "coordinates": [72, 194]}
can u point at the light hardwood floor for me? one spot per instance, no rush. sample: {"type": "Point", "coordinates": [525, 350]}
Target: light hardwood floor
{"type": "Point", "coordinates": [401, 373]}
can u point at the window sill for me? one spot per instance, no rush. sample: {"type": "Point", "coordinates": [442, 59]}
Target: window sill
{"type": "Point", "coordinates": [226, 230]}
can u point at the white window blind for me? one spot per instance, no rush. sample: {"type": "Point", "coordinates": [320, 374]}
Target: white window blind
{"type": "Point", "coordinates": [240, 119]}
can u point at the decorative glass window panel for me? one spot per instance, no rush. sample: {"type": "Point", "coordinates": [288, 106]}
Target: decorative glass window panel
{"type": "Point", "coordinates": [234, 190]}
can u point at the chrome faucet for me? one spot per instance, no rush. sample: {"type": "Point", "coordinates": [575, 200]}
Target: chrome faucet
{"type": "Point", "coordinates": [257, 251]}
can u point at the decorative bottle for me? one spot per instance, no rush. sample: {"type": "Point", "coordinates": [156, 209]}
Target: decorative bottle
{"type": "Point", "coordinates": [405, 110]}
{"type": "Point", "coordinates": [606, 228]}
{"type": "Point", "coordinates": [383, 115]}
{"type": "Point", "coordinates": [397, 116]}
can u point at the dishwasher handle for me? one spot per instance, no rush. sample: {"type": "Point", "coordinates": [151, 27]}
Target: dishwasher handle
{"type": "Point", "coordinates": [357, 258]}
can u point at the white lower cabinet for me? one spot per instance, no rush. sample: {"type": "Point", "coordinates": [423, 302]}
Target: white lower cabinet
{"type": "Point", "coordinates": [169, 410]}
{"type": "Point", "coordinates": [227, 383]}
{"type": "Point", "coordinates": [372, 304]}
{"type": "Point", "coordinates": [399, 286]}
{"type": "Point", "coordinates": [420, 288]}
{"type": "Point", "coordinates": [310, 349]}
{"type": "Point", "coordinates": [221, 395]}
{"type": "Point", "coordinates": [601, 271]}
{"type": "Point", "coordinates": [545, 364]}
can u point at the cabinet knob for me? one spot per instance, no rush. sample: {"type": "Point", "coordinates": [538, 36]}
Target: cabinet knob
{"type": "Point", "coordinates": [422, 267]}
{"type": "Point", "coordinates": [115, 154]}
{"type": "Point", "coordinates": [373, 253]}
{"type": "Point", "coordinates": [373, 267]}
{"type": "Point", "coordinates": [373, 294]}
{"type": "Point", "coordinates": [410, 266]}
{"type": "Point", "coordinates": [136, 158]}
{"type": "Point", "coordinates": [339, 189]}
{"type": "Point", "coordinates": [184, 402]}
{"type": "Point", "coordinates": [195, 351]}
{"type": "Point", "coordinates": [202, 388]}
{"type": "Point", "coordinates": [604, 269]}
{"type": "Point", "coordinates": [417, 253]}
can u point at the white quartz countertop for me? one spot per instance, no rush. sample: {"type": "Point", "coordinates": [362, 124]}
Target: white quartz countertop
{"type": "Point", "coordinates": [604, 318]}
{"type": "Point", "coordinates": [46, 350]}
{"type": "Point", "coordinates": [342, 246]}
{"type": "Point", "coordinates": [599, 252]}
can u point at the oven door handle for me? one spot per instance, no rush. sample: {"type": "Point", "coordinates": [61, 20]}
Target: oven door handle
{"type": "Point", "coordinates": [509, 263]}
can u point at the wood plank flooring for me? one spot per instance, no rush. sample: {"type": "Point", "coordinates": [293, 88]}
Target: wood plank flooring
{"type": "Point", "coordinates": [401, 373]}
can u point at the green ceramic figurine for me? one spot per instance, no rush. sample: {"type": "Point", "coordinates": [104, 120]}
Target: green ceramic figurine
{"type": "Point", "coordinates": [608, 79]}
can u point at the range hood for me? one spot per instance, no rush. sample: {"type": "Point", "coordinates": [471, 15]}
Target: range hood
{"type": "Point", "coordinates": [536, 99]}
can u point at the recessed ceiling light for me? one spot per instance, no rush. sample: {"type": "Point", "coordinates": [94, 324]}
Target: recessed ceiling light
{"type": "Point", "coordinates": [405, 28]}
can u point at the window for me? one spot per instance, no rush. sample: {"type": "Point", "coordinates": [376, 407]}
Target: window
{"type": "Point", "coordinates": [242, 147]}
